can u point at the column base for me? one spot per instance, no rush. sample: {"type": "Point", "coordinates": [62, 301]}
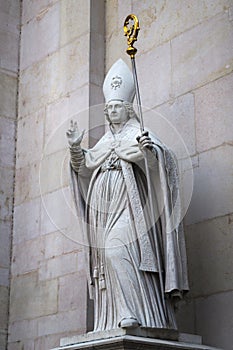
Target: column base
{"type": "Point", "coordinates": [131, 339]}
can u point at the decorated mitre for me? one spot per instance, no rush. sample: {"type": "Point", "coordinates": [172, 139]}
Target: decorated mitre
{"type": "Point", "coordinates": [119, 83]}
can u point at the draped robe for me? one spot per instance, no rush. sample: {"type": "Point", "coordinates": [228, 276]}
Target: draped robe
{"type": "Point", "coordinates": [111, 194]}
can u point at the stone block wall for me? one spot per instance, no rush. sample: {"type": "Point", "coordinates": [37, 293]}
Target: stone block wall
{"type": "Point", "coordinates": [58, 81]}
{"type": "Point", "coordinates": [185, 64]}
{"type": "Point", "coordinates": [9, 43]}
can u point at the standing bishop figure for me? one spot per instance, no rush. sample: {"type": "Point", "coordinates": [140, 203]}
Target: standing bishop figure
{"type": "Point", "coordinates": [111, 194]}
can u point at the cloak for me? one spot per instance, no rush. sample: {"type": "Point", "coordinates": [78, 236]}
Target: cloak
{"type": "Point", "coordinates": [166, 221]}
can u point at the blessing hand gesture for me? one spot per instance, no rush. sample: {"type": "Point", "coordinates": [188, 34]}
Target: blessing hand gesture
{"type": "Point", "coordinates": [73, 135]}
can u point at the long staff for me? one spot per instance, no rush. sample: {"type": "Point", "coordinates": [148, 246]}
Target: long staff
{"type": "Point", "coordinates": [131, 31]}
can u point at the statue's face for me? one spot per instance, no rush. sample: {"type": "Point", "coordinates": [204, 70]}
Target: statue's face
{"type": "Point", "coordinates": [117, 112]}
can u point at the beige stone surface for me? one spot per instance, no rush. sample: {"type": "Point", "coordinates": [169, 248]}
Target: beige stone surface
{"type": "Point", "coordinates": [57, 244]}
{"type": "Point", "coordinates": [27, 221]}
{"type": "Point", "coordinates": [53, 171]}
{"type": "Point", "coordinates": [31, 129]}
{"type": "Point", "coordinates": [7, 138]}
{"type": "Point", "coordinates": [27, 256]}
{"type": "Point", "coordinates": [3, 306]}
{"type": "Point", "coordinates": [31, 298]}
{"type": "Point", "coordinates": [8, 89]}
{"type": "Point", "coordinates": [23, 330]}
{"type": "Point", "coordinates": [27, 183]}
{"type": "Point", "coordinates": [167, 19]}
{"type": "Point", "coordinates": [35, 8]}
{"type": "Point", "coordinates": [202, 54]}
{"type": "Point", "coordinates": [40, 37]}
{"type": "Point", "coordinates": [47, 341]}
{"type": "Point", "coordinates": [212, 193]}
{"type": "Point", "coordinates": [215, 323]}
{"type": "Point", "coordinates": [58, 266]}
{"type": "Point", "coordinates": [72, 293]}
{"type": "Point", "coordinates": [5, 229]}
{"type": "Point", "coordinates": [19, 345]}
{"type": "Point", "coordinates": [41, 84]}
{"type": "Point", "coordinates": [155, 83]}
{"type": "Point", "coordinates": [73, 21]}
{"type": "Point", "coordinates": [214, 105]}
{"type": "Point", "coordinates": [9, 50]}
{"type": "Point", "coordinates": [62, 322]}
{"type": "Point", "coordinates": [6, 192]}
{"type": "Point", "coordinates": [210, 260]}
{"type": "Point", "coordinates": [3, 340]}
{"type": "Point", "coordinates": [97, 62]}
{"type": "Point", "coordinates": [174, 122]}
{"type": "Point", "coordinates": [185, 315]}
{"type": "Point", "coordinates": [58, 213]}
{"type": "Point", "coordinates": [4, 276]}
{"type": "Point", "coordinates": [58, 115]}
{"type": "Point", "coordinates": [10, 8]}
{"type": "Point", "coordinates": [9, 23]}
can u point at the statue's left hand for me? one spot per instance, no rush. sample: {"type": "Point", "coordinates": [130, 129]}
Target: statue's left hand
{"type": "Point", "coordinates": [145, 141]}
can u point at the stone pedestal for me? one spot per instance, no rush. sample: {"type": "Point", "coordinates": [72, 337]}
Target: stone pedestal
{"type": "Point", "coordinates": [134, 339]}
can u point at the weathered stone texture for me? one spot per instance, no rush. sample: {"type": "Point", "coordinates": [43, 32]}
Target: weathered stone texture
{"type": "Point", "coordinates": [202, 54]}
{"type": "Point", "coordinates": [3, 307]}
{"type": "Point", "coordinates": [214, 106]}
{"type": "Point", "coordinates": [40, 84]}
{"type": "Point", "coordinates": [31, 299]}
{"type": "Point", "coordinates": [27, 221]}
{"type": "Point", "coordinates": [4, 275]}
{"type": "Point", "coordinates": [171, 18]}
{"type": "Point", "coordinates": [6, 193]}
{"type": "Point", "coordinates": [58, 115]}
{"type": "Point", "coordinates": [27, 183]}
{"type": "Point", "coordinates": [155, 83]}
{"type": "Point", "coordinates": [5, 229]}
{"type": "Point", "coordinates": [26, 262]}
{"type": "Point", "coordinates": [209, 249]}
{"type": "Point", "coordinates": [184, 60]}
{"type": "Point", "coordinates": [215, 323]}
{"type": "Point", "coordinates": [58, 266]}
{"type": "Point", "coordinates": [7, 140]}
{"type": "Point", "coordinates": [58, 213]}
{"type": "Point", "coordinates": [174, 123]}
{"type": "Point", "coordinates": [40, 36]}
{"type": "Point", "coordinates": [34, 8]}
{"type": "Point", "coordinates": [71, 294]}
{"type": "Point", "coordinates": [17, 330]}
{"type": "Point", "coordinates": [9, 50]}
{"type": "Point", "coordinates": [57, 244]}
{"type": "Point", "coordinates": [9, 42]}
{"type": "Point", "coordinates": [61, 322]}
{"type": "Point", "coordinates": [8, 89]}
{"type": "Point", "coordinates": [73, 20]}
{"type": "Point", "coordinates": [30, 129]}
{"type": "Point", "coordinates": [212, 194]}
{"type": "Point", "coordinates": [54, 165]}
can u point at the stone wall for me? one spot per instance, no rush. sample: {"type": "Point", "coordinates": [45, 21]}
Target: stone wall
{"type": "Point", "coordinates": [9, 40]}
{"type": "Point", "coordinates": [185, 63]}
{"type": "Point", "coordinates": [61, 74]}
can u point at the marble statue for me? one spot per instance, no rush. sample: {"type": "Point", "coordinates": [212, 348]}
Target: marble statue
{"type": "Point", "coordinates": [110, 191]}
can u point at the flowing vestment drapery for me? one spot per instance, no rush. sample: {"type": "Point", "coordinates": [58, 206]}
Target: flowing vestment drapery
{"type": "Point", "coordinates": [110, 191]}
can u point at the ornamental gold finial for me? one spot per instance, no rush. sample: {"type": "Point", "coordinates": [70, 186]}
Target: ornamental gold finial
{"type": "Point", "coordinates": [131, 31]}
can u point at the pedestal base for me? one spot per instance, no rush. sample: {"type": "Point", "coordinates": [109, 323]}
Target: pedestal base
{"type": "Point", "coordinates": [131, 339]}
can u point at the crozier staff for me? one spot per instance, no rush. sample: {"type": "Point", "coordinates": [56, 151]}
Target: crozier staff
{"type": "Point", "coordinates": [111, 193]}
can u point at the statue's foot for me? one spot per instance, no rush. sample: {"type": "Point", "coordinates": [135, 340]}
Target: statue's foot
{"type": "Point", "coordinates": [129, 323]}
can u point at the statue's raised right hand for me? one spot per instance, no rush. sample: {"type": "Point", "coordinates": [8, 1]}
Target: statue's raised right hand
{"type": "Point", "coordinates": [73, 135]}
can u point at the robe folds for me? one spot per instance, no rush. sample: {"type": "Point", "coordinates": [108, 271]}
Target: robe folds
{"type": "Point", "coordinates": [111, 195]}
